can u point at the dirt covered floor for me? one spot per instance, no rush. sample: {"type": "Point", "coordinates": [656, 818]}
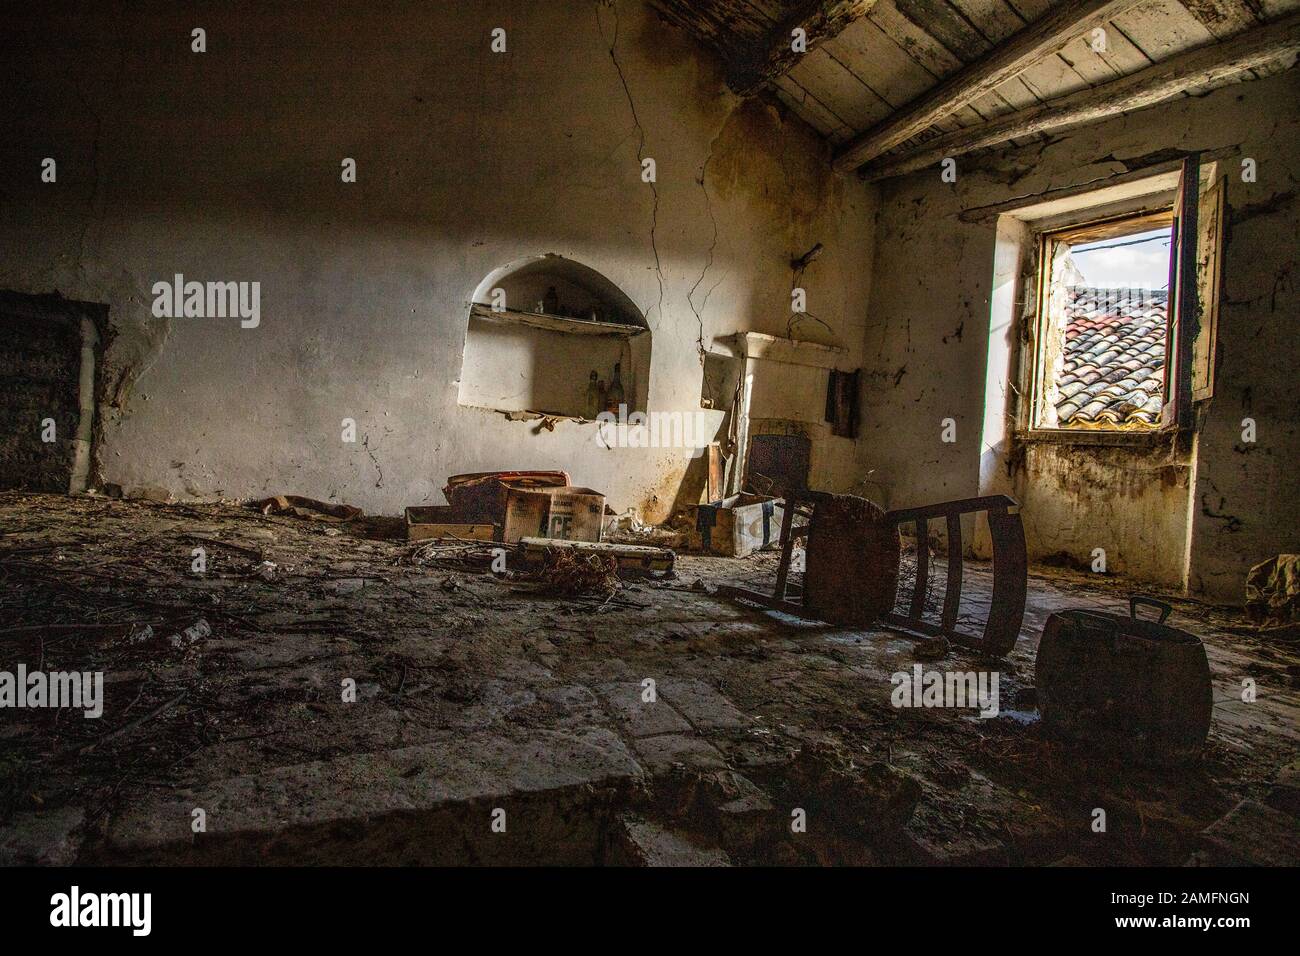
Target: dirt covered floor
{"type": "Point", "coordinates": [495, 723]}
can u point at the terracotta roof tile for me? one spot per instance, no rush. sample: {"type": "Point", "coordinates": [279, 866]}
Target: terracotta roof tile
{"type": "Point", "coordinates": [1112, 369]}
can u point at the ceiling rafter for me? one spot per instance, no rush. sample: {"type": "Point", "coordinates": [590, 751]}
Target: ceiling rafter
{"type": "Point", "coordinates": [1023, 49]}
{"type": "Point", "coordinates": [1215, 62]}
{"type": "Point", "coordinates": [997, 65]}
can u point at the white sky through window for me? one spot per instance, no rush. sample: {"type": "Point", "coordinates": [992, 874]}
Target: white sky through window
{"type": "Point", "coordinates": [1138, 260]}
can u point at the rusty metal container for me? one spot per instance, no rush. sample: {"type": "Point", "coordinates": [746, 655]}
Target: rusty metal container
{"type": "Point", "coordinates": [1133, 688]}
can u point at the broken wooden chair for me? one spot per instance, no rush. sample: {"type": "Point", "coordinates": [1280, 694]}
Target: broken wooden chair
{"type": "Point", "coordinates": [852, 562]}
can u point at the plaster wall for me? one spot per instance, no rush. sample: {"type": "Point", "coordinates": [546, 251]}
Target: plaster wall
{"type": "Point", "coordinates": [1198, 518]}
{"type": "Point", "coordinates": [225, 166]}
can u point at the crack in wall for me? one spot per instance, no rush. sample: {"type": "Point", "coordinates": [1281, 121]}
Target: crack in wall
{"type": "Point", "coordinates": [1231, 523]}
{"type": "Point", "coordinates": [365, 443]}
{"type": "Point", "coordinates": [640, 149]}
{"type": "Point", "coordinates": [713, 244]}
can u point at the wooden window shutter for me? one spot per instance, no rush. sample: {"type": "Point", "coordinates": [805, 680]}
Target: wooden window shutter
{"type": "Point", "coordinates": [1183, 320]}
{"type": "Point", "coordinates": [1209, 270]}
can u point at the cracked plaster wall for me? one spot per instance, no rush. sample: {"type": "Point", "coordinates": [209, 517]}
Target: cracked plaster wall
{"type": "Point", "coordinates": [928, 335]}
{"type": "Point", "coordinates": [226, 166]}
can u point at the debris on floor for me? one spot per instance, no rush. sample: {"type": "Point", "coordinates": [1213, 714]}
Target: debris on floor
{"type": "Point", "coordinates": [569, 571]}
{"type": "Point", "coordinates": [409, 668]}
{"type": "Point", "coordinates": [1273, 590]}
{"type": "Point", "coordinates": [627, 558]}
{"type": "Point", "coordinates": [854, 574]}
{"type": "Point", "coordinates": [300, 507]}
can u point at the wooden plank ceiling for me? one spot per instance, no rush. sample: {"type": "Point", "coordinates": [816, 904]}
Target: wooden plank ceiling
{"type": "Point", "coordinates": [882, 78]}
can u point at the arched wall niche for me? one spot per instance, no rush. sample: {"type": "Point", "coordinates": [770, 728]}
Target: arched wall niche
{"type": "Point", "coordinates": [538, 327]}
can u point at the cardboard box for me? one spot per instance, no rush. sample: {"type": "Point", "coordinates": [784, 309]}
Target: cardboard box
{"type": "Point", "coordinates": [424, 528]}
{"type": "Point", "coordinates": [481, 496]}
{"type": "Point", "coordinates": [440, 521]}
{"type": "Point", "coordinates": [570, 513]}
{"type": "Point", "coordinates": [740, 525]}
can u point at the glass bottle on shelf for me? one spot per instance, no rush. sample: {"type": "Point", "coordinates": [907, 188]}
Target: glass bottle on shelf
{"type": "Point", "coordinates": [593, 396]}
{"type": "Point", "coordinates": [615, 398]}
{"type": "Point", "coordinates": [551, 302]}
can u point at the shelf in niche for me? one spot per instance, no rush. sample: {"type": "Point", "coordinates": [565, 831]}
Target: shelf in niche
{"type": "Point", "coordinates": [556, 323]}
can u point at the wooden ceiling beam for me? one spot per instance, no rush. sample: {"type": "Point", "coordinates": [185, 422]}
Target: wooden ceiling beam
{"type": "Point", "coordinates": [1049, 33]}
{"type": "Point", "coordinates": [1207, 64]}
{"type": "Point", "coordinates": [820, 20]}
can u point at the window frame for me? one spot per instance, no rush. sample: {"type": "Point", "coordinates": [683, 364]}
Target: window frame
{"type": "Point", "coordinates": [1036, 342]}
